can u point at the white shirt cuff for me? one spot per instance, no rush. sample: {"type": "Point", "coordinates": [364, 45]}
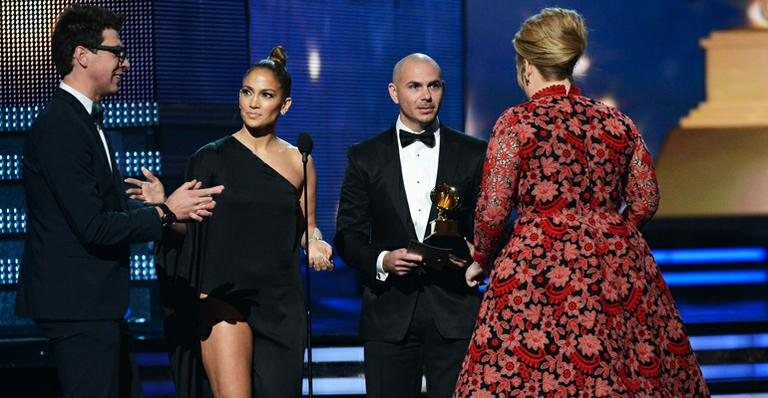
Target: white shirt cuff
{"type": "Point", "coordinates": [381, 275]}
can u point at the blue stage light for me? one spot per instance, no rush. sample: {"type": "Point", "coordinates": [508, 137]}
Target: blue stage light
{"type": "Point", "coordinates": [158, 388]}
{"type": "Point", "coordinates": [143, 267]}
{"type": "Point", "coordinates": [754, 310]}
{"type": "Point", "coordinates": [336, 354]}
{"type": "Point", "coordinates": [13, 221]}
{"type": "Point", "coordinates": [10, 167]}
{"type": "Point", "coordinates": [735, 371]}
{"type": "Point", "coordinates": [710, 255]}
{"type": "Point", "coordinates": [18, 118]}
{"type": "Point", "coordinates": [134, 114]}
{"type": "Point", "coordinates": [131, 163]}
{"type": "Point", "coordinates": [9, 271]}
{"type": "Point", "coordinates": [152, 359]}
{"type": "Point", "coordinates": [116, 115]}
{"type": "Point", "coordinates": [723, 278]}
{"type": "Point", "coordinates": [729, 342]}
{"type": "Point", "coordinates": [336, 386]}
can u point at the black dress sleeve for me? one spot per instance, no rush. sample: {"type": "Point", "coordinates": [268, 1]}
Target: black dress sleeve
{"type": "Point", "coordinates": [179, 278]}
{"type": "Point", "coordinates": [177, 256]}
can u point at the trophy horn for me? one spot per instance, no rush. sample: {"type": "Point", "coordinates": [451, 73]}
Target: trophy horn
{"type": "Point", "coordinates": [445, 197]}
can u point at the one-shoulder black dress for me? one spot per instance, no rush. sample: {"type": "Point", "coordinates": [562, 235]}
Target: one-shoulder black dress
{"type": "Point", "coordinates": [246, 254]}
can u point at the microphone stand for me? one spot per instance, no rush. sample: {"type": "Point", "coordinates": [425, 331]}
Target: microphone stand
{"type": "Point", "coordinates": [308, 300]}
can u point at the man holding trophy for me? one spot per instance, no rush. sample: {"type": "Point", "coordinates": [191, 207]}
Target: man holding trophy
{"type": "Point", "coordinates": [418, 310]}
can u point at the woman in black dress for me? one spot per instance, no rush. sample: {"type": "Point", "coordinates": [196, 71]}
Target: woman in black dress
{"type": "Point", "coordinates": [235, 280]}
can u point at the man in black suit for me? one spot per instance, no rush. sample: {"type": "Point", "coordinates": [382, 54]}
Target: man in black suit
{"type": "Point", "coordinates": [415, 319]}
{"type": "Point", "coordinates": [75, 271]}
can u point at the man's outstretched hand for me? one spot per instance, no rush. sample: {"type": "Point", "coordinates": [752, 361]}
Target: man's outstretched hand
{"type": "Point", "coordinates": [191, 202]}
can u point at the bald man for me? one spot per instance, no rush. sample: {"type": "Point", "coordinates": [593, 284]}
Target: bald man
{"type": "Point", "coordinates": [416, 320]}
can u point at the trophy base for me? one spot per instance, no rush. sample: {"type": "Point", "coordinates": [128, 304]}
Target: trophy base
{"type": "Point", "coordinates": [443, 240]}
{"type": "Point", "coordinates": [456, 244]}
{"type": "Point", "coordinates": [431, 256]}
{"type": "Point", "coordinates": [443, 227]}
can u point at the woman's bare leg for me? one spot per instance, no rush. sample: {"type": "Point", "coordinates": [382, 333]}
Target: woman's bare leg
{"type": "Point", "coordinates": [227, 349]}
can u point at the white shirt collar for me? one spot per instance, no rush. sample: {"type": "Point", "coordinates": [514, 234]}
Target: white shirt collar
{"type": "Point", "coordinates": [399, 125]}
{"type": "Point", "coordinates": [87, 102]}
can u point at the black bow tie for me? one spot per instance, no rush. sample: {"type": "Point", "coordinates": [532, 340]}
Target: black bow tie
{"type": "Point", "coordinates": [97, 112]}
{"type": "Point", "coordinates": [427, 137]}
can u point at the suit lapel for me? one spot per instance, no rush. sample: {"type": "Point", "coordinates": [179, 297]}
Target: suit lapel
{"type": "Point", "coordinates": [111, 154]}
{"type": "Point", "coordinates": [83, 114]}
{"type": "Point", "coordinates": [116, 177]}
{"type": "Point", "coordinates": [393, 172]}
{"type": "Point", "coordinates": [98, 146]}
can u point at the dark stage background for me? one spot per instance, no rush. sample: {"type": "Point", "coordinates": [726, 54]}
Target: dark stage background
{"type": "Point", "coordinates": [644, 57]}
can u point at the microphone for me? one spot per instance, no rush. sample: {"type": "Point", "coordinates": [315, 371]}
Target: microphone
{"type": "Point", "coordinates": [305, 146]}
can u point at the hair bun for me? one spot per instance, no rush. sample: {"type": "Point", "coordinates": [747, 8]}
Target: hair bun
{"type": "Point", "coordinates": [275, 63]}
{"type": "Point", "coordinates": [552, 40]}
{"type": "Point", "coordinates": [278, 55]}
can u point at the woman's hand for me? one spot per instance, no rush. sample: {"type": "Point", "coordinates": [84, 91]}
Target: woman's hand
{"type": "Point", "coordinates": [150, 191]}
{"type": "Point", "coordinates": [475, 275]}
{"type": "Point", "coordinates": [460, 262]}
{"type": "Point", "coordinates": [321, 255]}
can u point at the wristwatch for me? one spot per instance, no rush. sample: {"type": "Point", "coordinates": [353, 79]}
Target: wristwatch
{"type": "Point", "coordinates": [168, 217]}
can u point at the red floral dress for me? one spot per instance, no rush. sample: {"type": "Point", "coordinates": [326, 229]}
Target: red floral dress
{"type": "Point", "coordinates": [575, 306]}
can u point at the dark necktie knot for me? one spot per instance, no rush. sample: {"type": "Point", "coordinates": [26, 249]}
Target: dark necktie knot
{"type": "Point", "coordinates": [97, 112]}
{"type": "Point", "coordinates": [408, 138]}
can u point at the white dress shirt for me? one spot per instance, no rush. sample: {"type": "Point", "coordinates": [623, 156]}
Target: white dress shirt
{"type": "Point", "coordinates": [88, 103]}
{"type": "Point", "coordinates": [419, 165]}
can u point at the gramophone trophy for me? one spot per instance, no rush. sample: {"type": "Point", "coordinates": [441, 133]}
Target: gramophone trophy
{"type": "Point", "coordinates": [444, 237]}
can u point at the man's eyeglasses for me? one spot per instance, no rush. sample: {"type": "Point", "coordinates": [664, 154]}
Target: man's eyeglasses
{"type": "Point", "coordinates": [118, 51]}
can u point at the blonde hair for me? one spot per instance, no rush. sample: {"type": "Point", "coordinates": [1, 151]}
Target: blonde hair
{"type": "Point", "coordinates": [552, 40]}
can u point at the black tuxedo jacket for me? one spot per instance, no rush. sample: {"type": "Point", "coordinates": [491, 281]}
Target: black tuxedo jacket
{"type": "Point", "coordinates": [79, 225]}
{"type": "Point", "coordinates": [374, 216]}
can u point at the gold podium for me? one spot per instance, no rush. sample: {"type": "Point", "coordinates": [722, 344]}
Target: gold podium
{"type": "Point", "coordinates": [715, 163]}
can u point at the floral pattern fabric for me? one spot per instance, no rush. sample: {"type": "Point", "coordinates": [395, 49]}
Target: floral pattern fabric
{"type": "Point", "coordinates": [576, 305]}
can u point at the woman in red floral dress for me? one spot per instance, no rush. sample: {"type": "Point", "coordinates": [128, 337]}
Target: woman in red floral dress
{"type": "Point", "coordinates": [575, 306]}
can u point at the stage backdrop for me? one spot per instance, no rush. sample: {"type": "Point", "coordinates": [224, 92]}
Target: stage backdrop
{"type": "Point", "coordinates": [188, 58]}
{"type": "Point", "coordinates": [644, 56]}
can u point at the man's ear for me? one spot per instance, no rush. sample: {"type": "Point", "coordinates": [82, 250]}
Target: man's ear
{"type": "Point", "coordinates": [393, 93]}
{"type": "Point", "coordinates": [80, 56]}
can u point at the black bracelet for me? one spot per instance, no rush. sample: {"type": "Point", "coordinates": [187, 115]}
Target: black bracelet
{"type": "Point", "coordinates": [168, 218]}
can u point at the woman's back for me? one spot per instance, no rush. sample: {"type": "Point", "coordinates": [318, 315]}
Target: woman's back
{"type": "Point", "coordinates": [575, 304]}
{"type": "Point", "coordinates": [574, 300]}
{"type": "Point", "coordinates": [578, 157]}
{"type": "Point", "coordinates": [566, 163]}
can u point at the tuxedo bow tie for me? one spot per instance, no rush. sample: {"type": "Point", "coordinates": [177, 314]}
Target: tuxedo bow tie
{"type": "Point", "coordinates": [97, 112]}
{"type": "Point", "coordinates": [427, 137]}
